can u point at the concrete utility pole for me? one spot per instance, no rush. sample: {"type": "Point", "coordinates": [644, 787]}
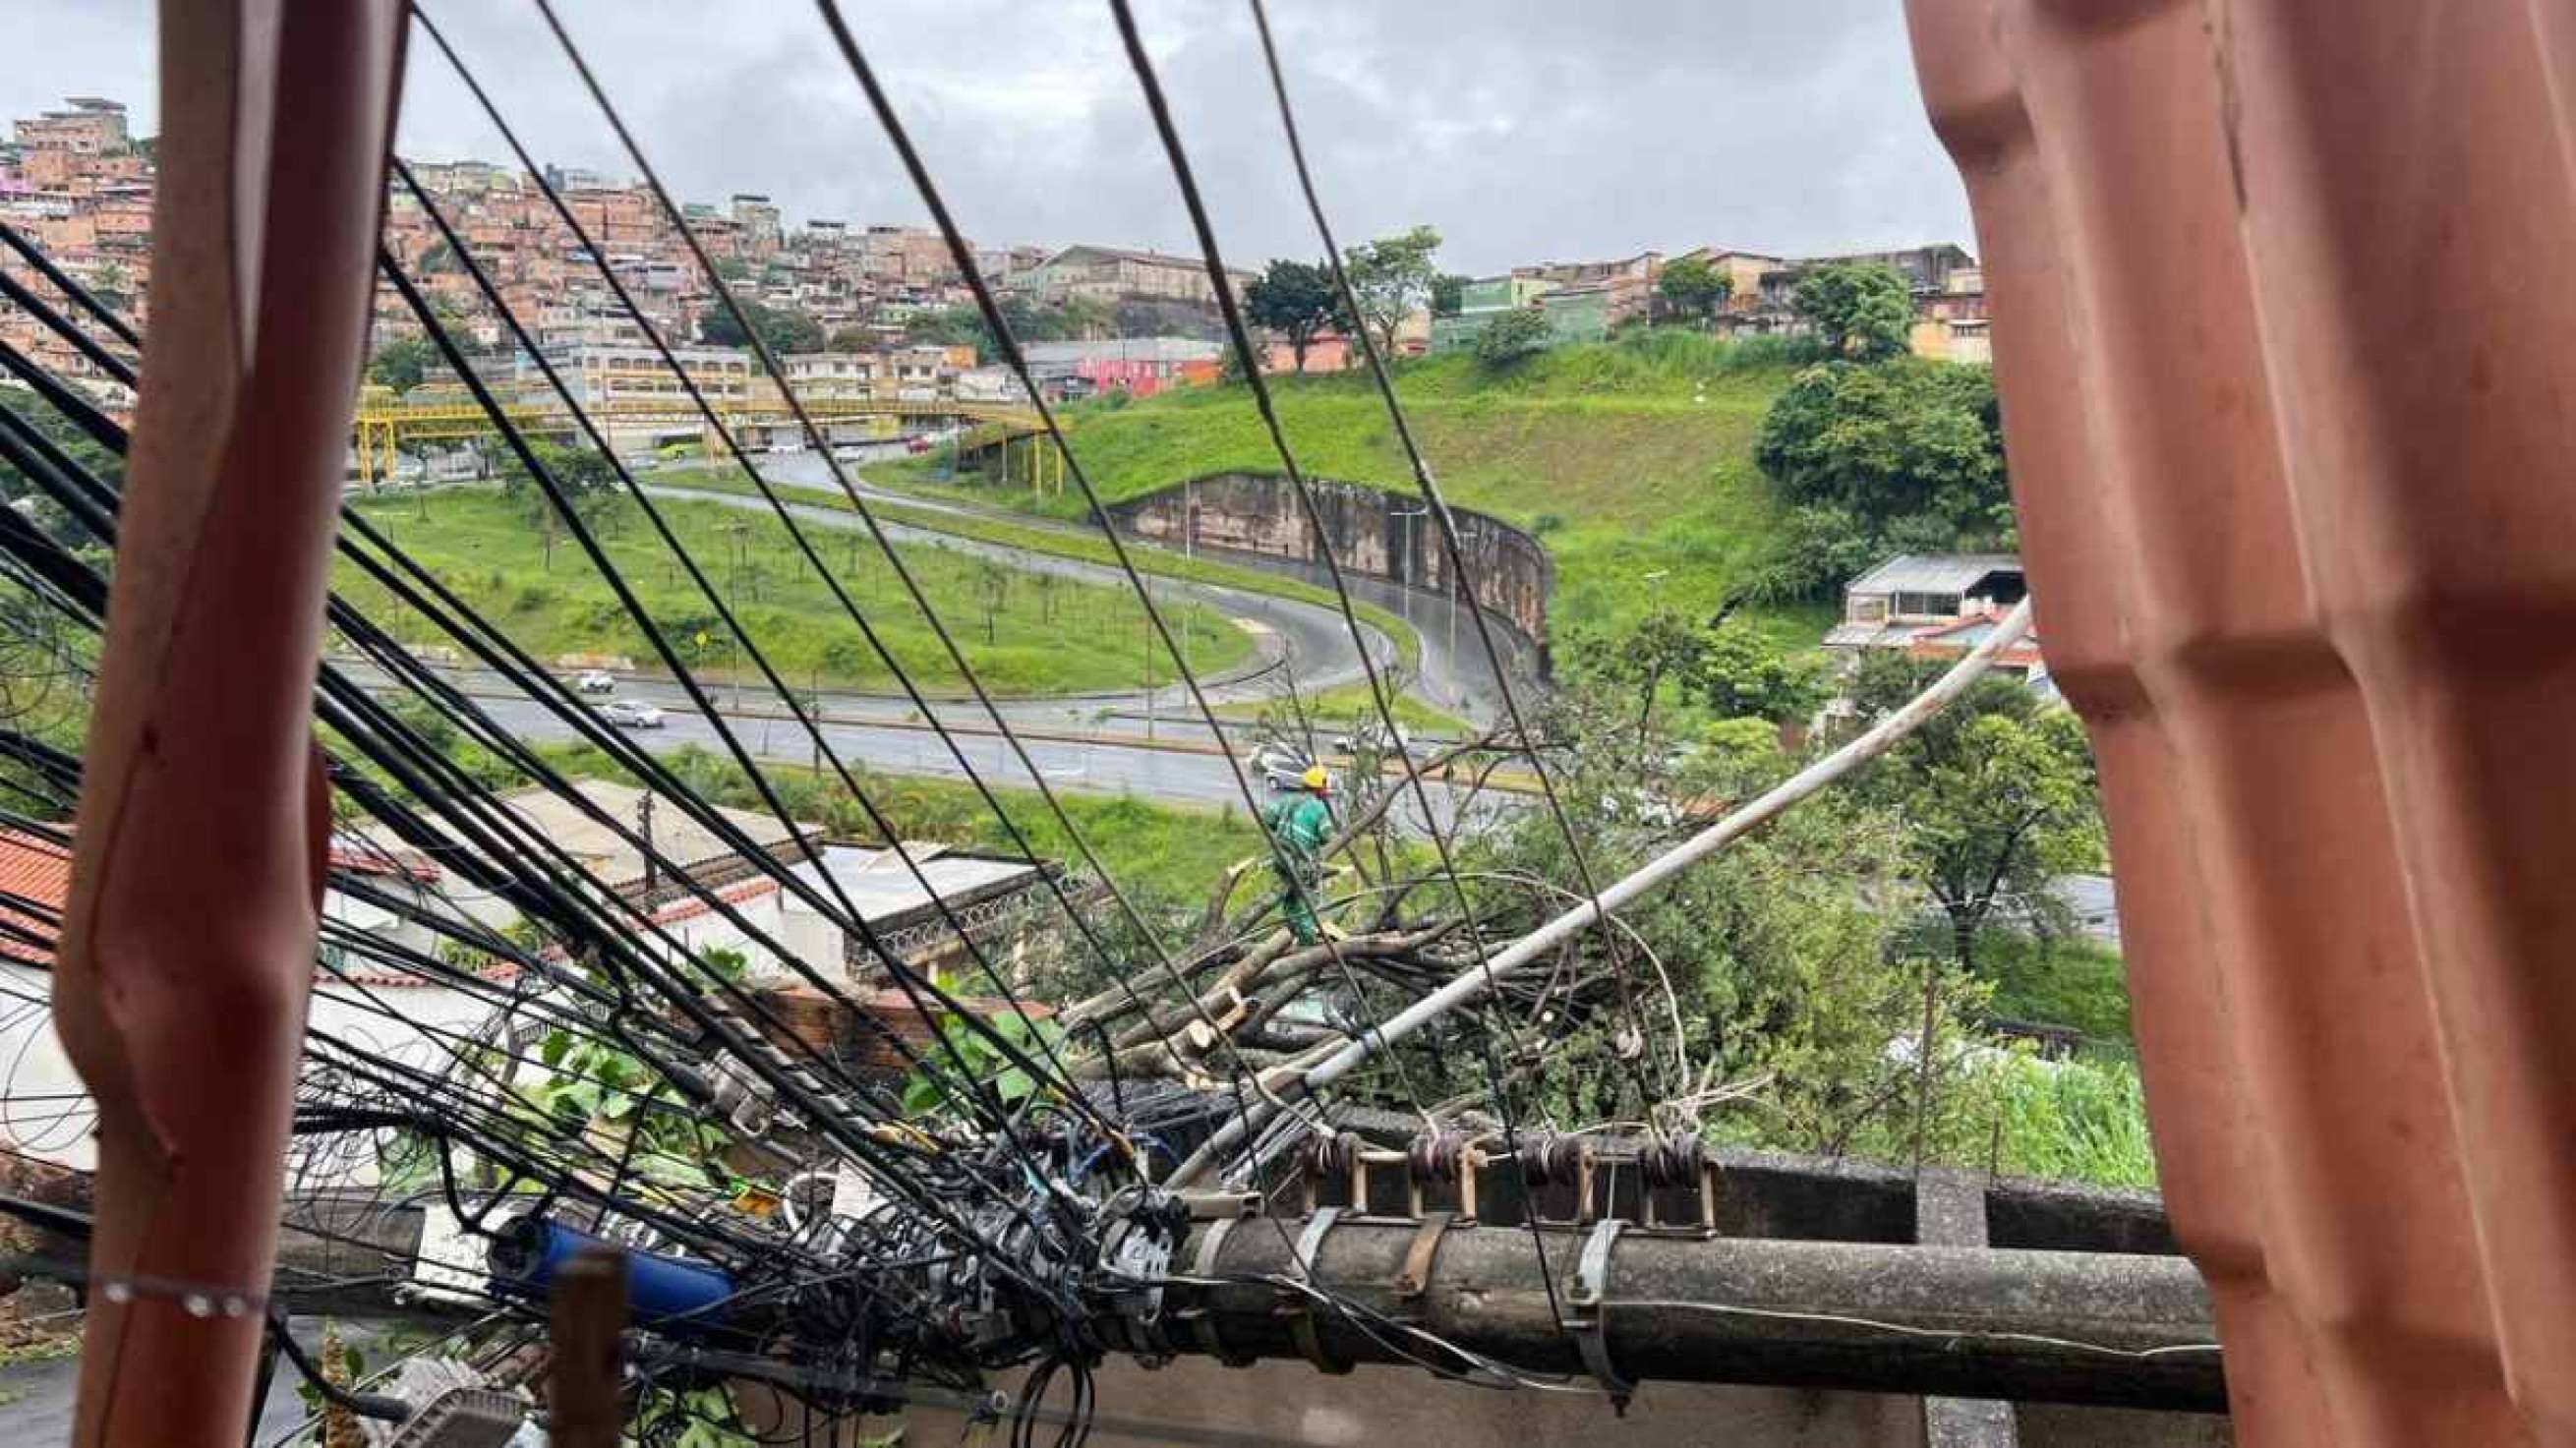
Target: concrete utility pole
{"type": "Point", "coordinates": [2073, 1327]}
{"type": "Point", "coordinates": [205, 819]}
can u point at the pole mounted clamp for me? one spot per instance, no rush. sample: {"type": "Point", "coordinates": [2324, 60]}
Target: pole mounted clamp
{"type": "Point", "coordinates": [1202, 1318]}
{"type": "Point", "coordinates": [1415, 1279]}
{"type": "Point", "coordinates": [1586, 1320]}
{"type": "Point", "coordinates": [1299, 1306]}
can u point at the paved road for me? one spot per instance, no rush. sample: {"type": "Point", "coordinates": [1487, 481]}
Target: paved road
{"type": "Point", "coordinates": [1455, 674]}
{"type": "Point", "coordinates": [1306, 641]}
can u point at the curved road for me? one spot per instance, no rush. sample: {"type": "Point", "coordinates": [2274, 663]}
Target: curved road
{"type": "Point", "coordinates": [1118, 742]}
{"type": "Point", "coordinates": [1310, 641]}
{"type": "Point", "coordinates": [1455, 675]}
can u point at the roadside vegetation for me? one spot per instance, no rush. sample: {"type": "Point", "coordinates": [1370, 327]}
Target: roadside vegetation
{"type": "Point", "coordinates": [1054, 542]}
{"type": "Point", "coordinates": [1025, 632]}
{"type": "Point", "coordinates": [1628, 459]}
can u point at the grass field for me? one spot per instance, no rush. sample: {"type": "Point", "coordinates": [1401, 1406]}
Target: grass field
{"type": "Point", "coordinates": [1024, 632]}
{"type": "Point", "coordinates": [1162, 853]}
{"type": "Point", "coordinates": [1057, 543]}
{"type": "Point", "coordinates": [1628, 459]}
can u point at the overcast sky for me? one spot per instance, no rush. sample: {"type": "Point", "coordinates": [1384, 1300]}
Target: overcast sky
{"type": "Point", "coordinates": [1525, 130]}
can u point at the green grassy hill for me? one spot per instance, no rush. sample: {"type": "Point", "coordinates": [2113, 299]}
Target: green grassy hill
{"type": "Point", "coordinates": [1024, 632]}
{"type": "Point", "coordinates": [1627, 458]}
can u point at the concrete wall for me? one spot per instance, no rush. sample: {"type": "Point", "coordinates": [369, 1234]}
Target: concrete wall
{"type": "Point", "coordinates": [1257, 515]}
{"type": "Point", "coordinates": [1291, 1402]}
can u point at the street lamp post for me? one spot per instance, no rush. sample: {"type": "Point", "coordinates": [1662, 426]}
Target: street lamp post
{"type": "Point", "coordinates": [1404, 576]}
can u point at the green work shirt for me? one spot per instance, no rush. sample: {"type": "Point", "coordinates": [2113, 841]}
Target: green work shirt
{"type": "Point", "coordinates": [1301, 824]}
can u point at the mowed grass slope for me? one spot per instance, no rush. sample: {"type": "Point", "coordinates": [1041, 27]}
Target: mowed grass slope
{"type": "Point", "coordinates": [1628, 459]}
{"type": "Point", "coordinates": [1024, 632]}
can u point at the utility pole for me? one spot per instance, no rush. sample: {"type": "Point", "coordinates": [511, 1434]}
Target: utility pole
{"type": "Point", "coordinates": [644, 827]}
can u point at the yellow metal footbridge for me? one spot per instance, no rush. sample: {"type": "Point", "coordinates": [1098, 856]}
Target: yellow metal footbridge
{"type": "Point", "coordinates": [1008, 442]}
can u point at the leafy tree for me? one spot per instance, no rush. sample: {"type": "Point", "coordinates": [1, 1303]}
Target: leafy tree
{"type": "Point", "coordinates": [1997, 792]}
{"type": "Point", "coordinates": [587, 480]}
{"type": "Point", "coordinates": [1389, 276]}
{"type": "Point", "coordinates": [1740, 673]}
{"type": "Point", "coordinates": [784, 329]}
{"type": "Point", "coordinates": [1864, 312]}
{"type": "Point", "coordinates": [1885, 442]}
{"type": "Point", "coordinates": [402, 364]}
{"type": "Point", "coordinates": [113, 284]}
{"type": "Point", "coordinates": [1294, 299]}
{"type": "Point", "coordinates": [1447, 292]}
{"type": "Point", "coordinates": [1517, 333]}
{"type": "Point", "coordinates": [852, 339]}
{"type": "Point", "coordinates": [1693, 288]}
{"type": "Point", "coordinates": [1663, 646]}
{"type": "Point", "coordinates": [950, 327]}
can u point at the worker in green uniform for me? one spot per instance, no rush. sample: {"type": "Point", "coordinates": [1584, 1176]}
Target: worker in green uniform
{"type": "Point", "coordinates": [1300, 822]}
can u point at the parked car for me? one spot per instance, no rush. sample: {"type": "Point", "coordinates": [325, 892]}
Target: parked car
{"type": "Point", "coordinates": [595, 681]}
{"type": "Point", "coordinates": [632, 714]}
{"type": "Point", "coordinates": [1373, 737]}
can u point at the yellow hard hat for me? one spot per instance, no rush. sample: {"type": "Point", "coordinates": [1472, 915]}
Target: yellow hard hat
{"type": "Point", "coordinates": [1315, 778]}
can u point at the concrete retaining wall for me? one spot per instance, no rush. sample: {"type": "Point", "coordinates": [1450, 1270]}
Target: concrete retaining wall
{"type": "Point", "coordinates": [1374, 533]}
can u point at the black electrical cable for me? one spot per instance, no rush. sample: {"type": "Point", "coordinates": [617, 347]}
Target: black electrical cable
{"type": "Point", "coordinates": [962, 256]}
{"type": "Point", "coordinates": [1230, 309]}
{"type": "Point", "coordinates": [1446, 524]}
{"type": "Point", "coordinates": [725, 613]}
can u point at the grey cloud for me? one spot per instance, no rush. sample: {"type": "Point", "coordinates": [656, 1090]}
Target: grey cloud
{"type": "Point", "coordinates": [1523, 130]}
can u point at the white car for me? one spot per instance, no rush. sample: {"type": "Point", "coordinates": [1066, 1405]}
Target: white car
{"type": "Point", "coordinates": [1373, 736]}
{"type": "Point", "coordinates": [631, 714]}
{"type": "Point", "coordinates": [595, 681]}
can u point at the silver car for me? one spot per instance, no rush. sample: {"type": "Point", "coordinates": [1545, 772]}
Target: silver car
{"type": "Point", "coordinates": [632, 714]}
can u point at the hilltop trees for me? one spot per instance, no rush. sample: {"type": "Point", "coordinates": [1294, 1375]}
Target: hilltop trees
{"type": "Point", "coordinates": [1900, 456]}
{"type": "Point", "coordinates": [1517, 333]}
{"type": "Point", "coordinates": [1861, 312]}
{"type": "Point", "coordinates": [784, 329]}
{"type": "Point", "coordinates": [1692, 288]}
{"type": "Point", "coordinates": [402, 363]}
{"type": "Point", "coordinates": [1390, 276]}
{"type": "Point", "coordinates": [1294, 299]}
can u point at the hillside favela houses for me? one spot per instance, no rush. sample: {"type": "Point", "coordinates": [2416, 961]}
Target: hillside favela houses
{"type": "Point", "coordinates": [80, 185]}
{"type": "Point", "coordinates": [1584, 301]}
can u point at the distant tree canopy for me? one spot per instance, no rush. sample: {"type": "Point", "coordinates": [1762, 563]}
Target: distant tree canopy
{"type": "Point", "coordinates": [1731, 668]}
{"type": "Point", "coordinates": [402, 364]}
{"type": "Point", "coordinates": [1862, 312]}
{"type": "Point", "coordinates": [783, 329]}
{"type": "Point", "coordinates": [1693, 289]}
{"type": "Point", "coordinates": [1294, 299]}
{"type": "Point", "coordinates": [949, 327]}
{"type": "Point", "coordinates": [1516, 333]}
{"type": "Point", "coordinates": [1448, 291]}
{"type": "Point", "coordinates": [1904, 455]}
{"type": "Point", "coordinates": [1077, 318]}
{"type": "Point", "coordinates": [1391, 276]}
